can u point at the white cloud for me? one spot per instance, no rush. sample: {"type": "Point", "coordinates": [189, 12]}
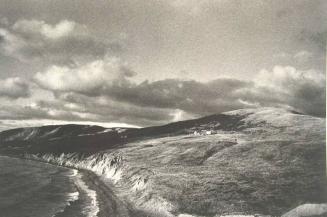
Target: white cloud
{"type": "Point", "coordinates": [14, 88]}
{"type": "Point", "coordinates": [73, 106]}
{"type": "Point", "coordinates": [304, 90]}
{"type": "Point", "coordinates": [179, 115]}
{"type": "Point", "coordinates": [88, 77]}
{"type": "Point", "coordinates": [283, 78]}
{"type": "Point", "coordinates": [249, 104]}
{"type": "Point", "coordinates": [61, 29]}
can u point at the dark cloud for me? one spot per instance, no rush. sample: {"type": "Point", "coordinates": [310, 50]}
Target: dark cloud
{"type": "Point", "coordinates": [311, 98]}
{"type": "Point", "coordinates": [113, 110]}
{"type": "Point", "coordinates": [189, 96]}
{"type": "Point", "coordinates": [76, 107]}
{"type": "Point", "coordinates": [304, 91]}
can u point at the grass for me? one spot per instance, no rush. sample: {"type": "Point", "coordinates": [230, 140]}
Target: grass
{"type": "Point", "coordinates": [265, 163]}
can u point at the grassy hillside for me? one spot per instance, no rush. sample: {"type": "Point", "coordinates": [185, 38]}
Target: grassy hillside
{"type": "Point", "coordinates": [265, 161]}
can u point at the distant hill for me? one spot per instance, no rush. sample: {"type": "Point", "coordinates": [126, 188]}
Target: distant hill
{"type": "Point", "coordinates": [60, 139]}
{"type": "Point", "coordinates": [264, 160]}
{"type": "Point", "coordinates": [91, 139]}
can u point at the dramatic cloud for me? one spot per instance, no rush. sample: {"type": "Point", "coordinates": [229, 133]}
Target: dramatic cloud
{"type": "Point", "coordinates": [111, 81]}
{"type": "Point", "coordinates": [14, 88]}
{"type": "Point", "coordinates": [104, 91]}
{"type": "Point", "coordinates": [284, 86]}
{"type": "Point", "coordinates": [65, 42]}
{"type": "Point", "coordinates": [302, 90]}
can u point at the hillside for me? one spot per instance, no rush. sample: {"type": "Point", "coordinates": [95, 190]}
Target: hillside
{"type": "Point", "coordinates": [59, 139]}
{"type": "Point", "coordinates": [265, 161]}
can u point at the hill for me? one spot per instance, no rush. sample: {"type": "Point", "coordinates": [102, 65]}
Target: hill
{"type": "Point", "coordinates": [265, 161]}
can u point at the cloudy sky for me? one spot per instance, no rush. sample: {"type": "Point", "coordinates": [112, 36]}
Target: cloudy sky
{"type": "Point", "coordinates": [150, 62]}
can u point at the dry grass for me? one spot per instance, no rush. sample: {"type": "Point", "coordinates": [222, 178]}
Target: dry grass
{"type": "Point", "coordinates": [270, 163]}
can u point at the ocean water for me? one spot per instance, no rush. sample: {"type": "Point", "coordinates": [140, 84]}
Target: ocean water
{"type": "Point", "coordinates": [35, 189]}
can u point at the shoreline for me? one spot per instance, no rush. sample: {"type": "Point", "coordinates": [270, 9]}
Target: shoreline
{"type": "Point", "coordinates": [108, 203]}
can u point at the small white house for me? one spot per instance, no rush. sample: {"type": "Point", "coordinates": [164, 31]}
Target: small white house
{"type": "Point", "coordinates": [208, 132]}
{"type": "Point", "coordinates": [203, 132]}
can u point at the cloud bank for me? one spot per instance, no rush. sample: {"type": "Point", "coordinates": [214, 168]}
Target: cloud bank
{"type": "Point", "coordinates": [104, 90]}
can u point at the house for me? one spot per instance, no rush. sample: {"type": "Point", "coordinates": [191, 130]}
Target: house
{"type": "Point", "coordinates": [203, 132]}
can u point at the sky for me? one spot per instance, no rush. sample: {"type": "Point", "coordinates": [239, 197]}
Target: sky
{"type": "Point", "coordinates": [151, 62]}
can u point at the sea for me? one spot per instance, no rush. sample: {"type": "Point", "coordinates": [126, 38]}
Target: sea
{"type": "Point", "coordinates": [36, 189]}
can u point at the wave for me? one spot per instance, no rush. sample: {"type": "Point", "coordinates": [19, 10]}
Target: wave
{"type": "Point", "coordinates": [89, 209]}
{"type": "Point", "coordinates": [92, 208]}
{"type": "Point", "coordinates": [130, 182]}
{"type": "Point", "coordinates": [70, 197]}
